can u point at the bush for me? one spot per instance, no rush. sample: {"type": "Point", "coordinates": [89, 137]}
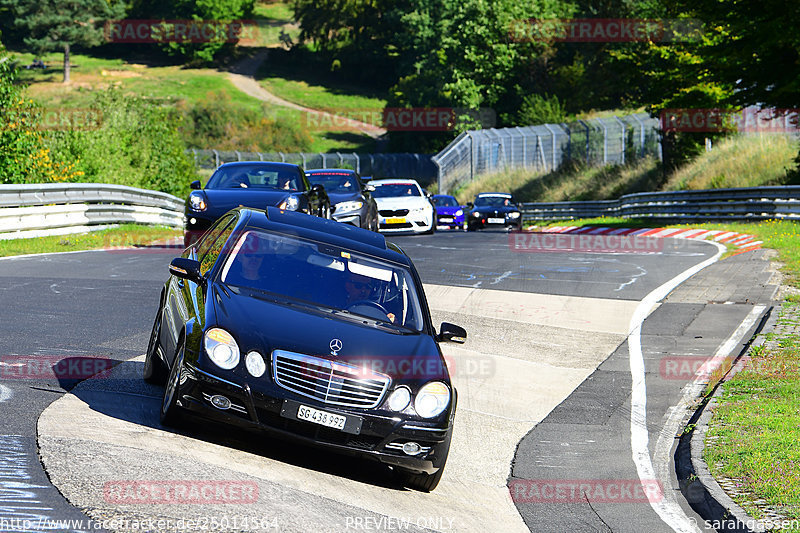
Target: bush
{"type": "Point", "coordinates": [24, 158]}
{"type": "Point", "coordinates": [216, 122]}
{"type": "Point", "coordinates": [137, 143]}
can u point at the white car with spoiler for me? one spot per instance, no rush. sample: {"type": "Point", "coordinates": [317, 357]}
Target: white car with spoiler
{"type": "Point", "coordinates": [403, 206]}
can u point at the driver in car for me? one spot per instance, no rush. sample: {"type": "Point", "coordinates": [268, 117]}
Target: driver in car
{"type": "Point", "coordinates": [359, 288]}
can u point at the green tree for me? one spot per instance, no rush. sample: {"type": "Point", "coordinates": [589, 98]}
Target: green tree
{"type": "Point", "coordinates": [218, 11]}
{"type": "Point", "coordinates": [58, 24]}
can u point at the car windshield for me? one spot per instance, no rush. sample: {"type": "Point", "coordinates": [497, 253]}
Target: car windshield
{"type": "Point", "coordinates": [334, 182]}
{"type": "Point", "coordinates": [390, 190]}
{"type": "Point", "coordinates": [257, 176]}
{"type": "Point", "coordinates": [326, 276]}
{"type": "Point", "coordinates": [445, 201]}
{"type": "Point", "coordinates": [493, 201]}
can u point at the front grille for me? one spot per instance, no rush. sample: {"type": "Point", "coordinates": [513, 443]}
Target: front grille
{"type": "Point", "coordinates": [397, 226]}
{"type": "Point", "coordinates": [328, 381]}
{"type": "Point", "coordinates": [393, 212]}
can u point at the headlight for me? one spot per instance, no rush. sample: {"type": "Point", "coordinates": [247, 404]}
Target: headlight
{"type": "Point", "coordinates": [459, 213]}
{"type": "Point", "coordinates": [432, 399]}
{"type": "Point", "coordinates": [515, 214]}
{"type": "Point", "coordinates": [197, 202]}
{"type": "Point", "coordinates": [255, 364]}
{"type": "Point", "coordinates": [290, 204]}
{"type": "Point", "coordinates": [399, 399]}
{"type": "Point", "coordinates": [476, 214]}
{"type": "Point", "coordinates": [348, 206]}
{"type": "Point", "coordinates": [221, 348]}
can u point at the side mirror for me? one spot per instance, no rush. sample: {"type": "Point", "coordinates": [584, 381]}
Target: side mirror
{"type": "Point", "coordinates": [186, 269]}
{"type": "Point", "coordinates": [369, 187]}
{"type": "Point", "coordinates": [452, 333]}
{"type": "Point", "coordinates": [318, 188]}
{"type": "Point", "coordinates": [195, 185]}
{"type": "Point", "coordinates": [470, 205]}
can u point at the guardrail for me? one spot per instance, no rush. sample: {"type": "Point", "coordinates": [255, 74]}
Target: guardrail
{"type": "Point", "coordinates": [753, 203]}
{"type": "Point", "coordinates": [60, 208]}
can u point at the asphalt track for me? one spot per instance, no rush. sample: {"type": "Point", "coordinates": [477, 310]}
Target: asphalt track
{"type": "Point", "coordinates": [547, 350]}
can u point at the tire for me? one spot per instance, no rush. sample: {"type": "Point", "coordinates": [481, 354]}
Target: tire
{"type": "Point", "coordinates": [170, 411]}
{"type": "Point", "coordinates": [421, 481]}
{"type": "Point", "coordinates": [154, 371]}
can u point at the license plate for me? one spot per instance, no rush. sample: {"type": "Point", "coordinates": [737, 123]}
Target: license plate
{"type": "Point", "coordinates": [443, 219]}
{"type": "Point", "coordinates": [396, 220]}
{"type": "Point", "coordinates": [496, 221]}
{"type": "Point", "coordinates": [323, 418]}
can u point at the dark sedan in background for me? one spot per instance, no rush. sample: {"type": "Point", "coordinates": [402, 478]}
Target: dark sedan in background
{"type": "Point", "coordinates": [448, 212]}
{"type": "Point", "coordinates": [256, 184]}
{"type": "Point", "coordinates": [493, 209]}
{"type": "Point", "coordinates": [307, 329]}
{"type": "Point", "coordinates": [351, 199]}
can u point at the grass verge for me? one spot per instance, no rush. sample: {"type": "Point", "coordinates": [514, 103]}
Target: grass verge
{"type": "Point", "coordinates": [121, 236]}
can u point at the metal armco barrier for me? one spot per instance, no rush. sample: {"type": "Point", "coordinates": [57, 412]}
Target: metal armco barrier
{"type": "Point", "coordinates": [62, 208]}
{"type": "Point", "coordinates": [753, 203]}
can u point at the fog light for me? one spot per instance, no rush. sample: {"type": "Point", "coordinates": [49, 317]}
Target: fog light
{"type": "Point", "coordinates": [411, 448]}
{"type": "Point", "coordinates": [220, 402]}
{"type": "Point", "coordinates": [192, 221]}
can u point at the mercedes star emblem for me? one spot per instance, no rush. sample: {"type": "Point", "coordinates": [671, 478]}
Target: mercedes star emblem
{"type": "Point", "coordinates": [335, 346]}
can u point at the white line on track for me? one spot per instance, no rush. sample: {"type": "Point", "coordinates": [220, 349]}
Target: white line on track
{"type": "Point", "coordinates": [669, 511]}
{"type": "Point", "coordinates": [666, 438]}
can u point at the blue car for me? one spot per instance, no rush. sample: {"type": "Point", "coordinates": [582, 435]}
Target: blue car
{"type": "Point", "coordinates": [448, 212]}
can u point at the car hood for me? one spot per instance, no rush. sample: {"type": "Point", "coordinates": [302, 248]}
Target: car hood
{"type": "Point", "coordinates": [498, 209]}
{"type": "Point", "coordinates": [337, 197]}
{"type": "Point", "coordinates": [401, 202]}
{"type": "Point", "coordinates": [223, 200]}
{"type": "Point", "coordinates": [448, 210]}
{"type": "Point", "coordinates": [264, 325]}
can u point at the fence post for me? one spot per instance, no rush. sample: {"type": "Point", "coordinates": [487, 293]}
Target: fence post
{"type": "Point", "coordinates": [623, 137]}
{"type": "Point", "coordinates": [238, 155]}
{"type": "Point", "coordinates": [358, 163]}
{"type": "Point", "coordinates": [322, 155]}
{"type": "Point", "coordinates": [472, 156]}
{"type": "Point", "coordinates": [260, 156]}
{"type": "Point", "coordinates": [569, 140]}
{"type": "Point", "coordinates": [216, 158]}
{"type": "Point", "coordinates": [585, 125]}
{"type": "Point", "coordinates": [605, 143]}
{"type": "Point", "coordinates": [641, 135]}
{"type": "Point", "coordinates": [553, 135]}
{"type": "Point", "coordinates": [341, 161]}
{"type": "Point", "coordinates": [303, 157]}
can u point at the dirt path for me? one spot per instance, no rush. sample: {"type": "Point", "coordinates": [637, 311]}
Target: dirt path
{"type": "Point", "coordinates": [242, 75]}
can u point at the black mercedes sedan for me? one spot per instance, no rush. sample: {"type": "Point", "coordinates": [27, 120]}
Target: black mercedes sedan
{"type": "Point", "coordinates": [493, 209]}
{"type": "Point", "coordinates": [351, 199]}
{"type": "Point", "coordinates": [307, 329]}
{"type": "Point", "coordinates": [256, 184]}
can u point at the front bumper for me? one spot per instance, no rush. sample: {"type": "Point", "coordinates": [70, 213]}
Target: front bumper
{"type": "Point", "coordinates": [451, 221]}
{"type": "Point", "coordinates": [380, 436]}
{"type": "Point", "coordinates": [486, 222]}
{"type": "Point", "coordinates": [353, 218]}
{"type": "Point", "coordinates": [412, 222]}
